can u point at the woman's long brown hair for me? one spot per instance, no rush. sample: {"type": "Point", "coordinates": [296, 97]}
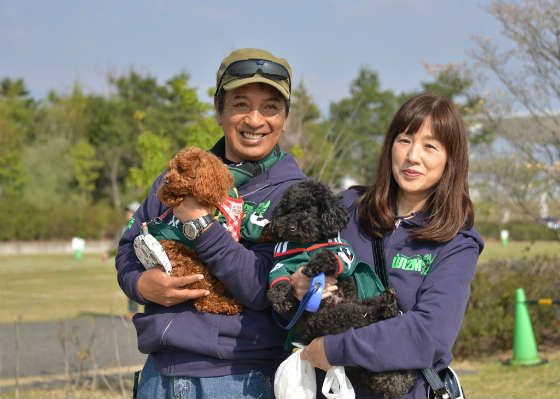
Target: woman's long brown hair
{"type": "Point", "coordinates": [448, 207]}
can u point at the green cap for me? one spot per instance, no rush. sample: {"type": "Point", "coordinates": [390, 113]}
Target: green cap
{"type": "Point", "coordinates": [230, 82]}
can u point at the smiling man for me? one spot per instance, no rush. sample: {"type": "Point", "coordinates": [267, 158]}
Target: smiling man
{"type": "Point", "coordinates": [204, 355]}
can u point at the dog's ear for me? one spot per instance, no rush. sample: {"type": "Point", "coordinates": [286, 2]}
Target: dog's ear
{"type": "Point", "coordinates": [333, 214]}
{"type": "Point", "coordinates": [213, 180]}
{"type": "Point", "coordinates": [163, 193]}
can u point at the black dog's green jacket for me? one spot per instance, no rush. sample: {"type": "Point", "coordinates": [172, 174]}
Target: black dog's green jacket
{"type": "Point", "coordinates": [290, 256]}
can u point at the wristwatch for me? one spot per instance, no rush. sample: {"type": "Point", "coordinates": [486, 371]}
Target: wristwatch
{"type": "Point", "coordinates": [193, 228]}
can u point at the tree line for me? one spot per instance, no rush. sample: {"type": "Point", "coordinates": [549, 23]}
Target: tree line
{"type": "Point", "coordinates": [81, 155]}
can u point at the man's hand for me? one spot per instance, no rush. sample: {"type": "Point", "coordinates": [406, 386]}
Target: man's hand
{"type": "Point", "coordinates": [315, 354]}
{"type": "Point", "coordinates": [190, 209]}
{"type": "Point", "coordinates": [156, 286]}
{"type": "Point", "coordinates": [300, 283]}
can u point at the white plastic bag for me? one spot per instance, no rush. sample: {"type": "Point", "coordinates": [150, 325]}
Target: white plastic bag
{"type": "Point", "coordinates": [295, 378]}
{"type": "Point", "coordinates": [336, 385]}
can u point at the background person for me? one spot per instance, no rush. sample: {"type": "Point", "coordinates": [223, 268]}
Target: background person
{"type": "Point", "coordinates": [419, 205]}
{"type": "Point", "coordinates": [204, 355]}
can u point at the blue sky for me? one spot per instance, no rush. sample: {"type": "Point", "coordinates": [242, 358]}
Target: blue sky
{"type": "Point", "coordinates": [53, 43]}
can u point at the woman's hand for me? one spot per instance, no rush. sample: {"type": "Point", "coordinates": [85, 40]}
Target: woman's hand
{"type": "Point", "coordinates": [190, 209]}
{"type": "Point", "coordinates": [300, 283]}
{"type": "Point", "coordinates": [315, 354]}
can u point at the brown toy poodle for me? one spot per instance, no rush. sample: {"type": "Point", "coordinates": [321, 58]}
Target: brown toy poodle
{"type": "Point", "coordinates": [202, 175]}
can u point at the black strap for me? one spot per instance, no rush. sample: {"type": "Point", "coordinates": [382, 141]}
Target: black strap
{"type": "Point", "coordinates": [440, 391]}
{"type": "Point", "coordinates": [379, 260]}
{"type": "Point", "coordinates": [135, 386]}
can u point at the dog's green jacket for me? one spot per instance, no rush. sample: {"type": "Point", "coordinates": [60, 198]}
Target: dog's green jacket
{"type": "Point", "coordinates": [290, 256]}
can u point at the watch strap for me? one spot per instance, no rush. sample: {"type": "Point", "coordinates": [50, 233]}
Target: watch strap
{"type": "Point", "coordinates": [199, 225]}
{"type": "Point", "coordinates": [203, 221]}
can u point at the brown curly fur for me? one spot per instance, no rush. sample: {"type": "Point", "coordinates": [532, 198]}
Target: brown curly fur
{"type": "Point", "coordinates": [202, 175]}
{"type": "Point", "coordinates": [191, 264]}
{"type": "Point", "coordinates": [197, 173]}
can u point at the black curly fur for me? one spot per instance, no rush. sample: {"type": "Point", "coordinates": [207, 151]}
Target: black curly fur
{"type": "Point", "coordinates": [282, 297]}
{"type": "Point", "coordinates": [337, 315]}
{"type": "Point", "coordinates": [308, 213]}
{"type": "Point", "coordinates": [321, 262]}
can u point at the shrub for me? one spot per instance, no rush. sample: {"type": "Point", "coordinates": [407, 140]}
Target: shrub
{"type": "Point", "coordinates": [489, 319]}
{"type": "Point", "coordinates": [26, 221]}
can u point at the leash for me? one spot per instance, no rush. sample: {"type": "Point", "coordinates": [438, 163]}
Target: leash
{"type": "Point", "coordinates": [310, 301]}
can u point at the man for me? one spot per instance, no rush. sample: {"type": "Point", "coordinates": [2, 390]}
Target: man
{"type": "Point", "coordinates": [206, 355]}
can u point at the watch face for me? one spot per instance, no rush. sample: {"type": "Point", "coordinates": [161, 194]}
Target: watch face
{"type": "Point", "coordinates": [190, 230]}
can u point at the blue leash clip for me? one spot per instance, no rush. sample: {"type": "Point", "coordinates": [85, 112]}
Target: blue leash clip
{"type": "Point", "coordinates": [316, 289]}
{"type": "Point", "coordinates": [310, 301]}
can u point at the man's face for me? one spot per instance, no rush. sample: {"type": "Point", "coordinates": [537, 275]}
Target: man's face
{"type": "Point", "coordinates": [253, 120]}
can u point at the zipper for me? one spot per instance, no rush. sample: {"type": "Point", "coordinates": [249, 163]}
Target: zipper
{"type": "Point", "coordinates": [254, 191]}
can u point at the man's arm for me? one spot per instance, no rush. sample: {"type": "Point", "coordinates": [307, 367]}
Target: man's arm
{"type": "Point", "coordinates": [152, 285]}
{"type": "Point", "coordinates": [244, 271]}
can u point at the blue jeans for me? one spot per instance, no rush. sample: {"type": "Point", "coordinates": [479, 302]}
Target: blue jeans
{"type": "Point", "coordinates": [155, 385]}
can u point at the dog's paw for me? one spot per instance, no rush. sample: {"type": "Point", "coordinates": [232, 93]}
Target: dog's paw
{"type": "Point", "coordinates": [282, 297]}
{"type": "Point", "coordinates": [321, 262]}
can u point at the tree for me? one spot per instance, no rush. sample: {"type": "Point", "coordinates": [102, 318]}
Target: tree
{"type": "Point", "coordinates": [347, 144]}
{"type": "Point", "coordinates": [17, 111]}
{"type": "Point", "coordinates": [301, 126]}
{"type": "Point", "coordinates": [154, 151]}
{"type": "Point", "coordinates": [138, 105]}
{"type": "Point", "coordinates": [530, 75]}
{"type": "Point", "coordinates": [60, 163]}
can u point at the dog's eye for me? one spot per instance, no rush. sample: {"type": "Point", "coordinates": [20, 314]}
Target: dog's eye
{"type": "Point", "coordinates": [293, 227]}
{"type": "Point", "coordinates": [180, 170]}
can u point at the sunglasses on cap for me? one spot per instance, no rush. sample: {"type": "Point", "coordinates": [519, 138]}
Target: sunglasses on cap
{"type": "Point", "coordinates": [247, 68]}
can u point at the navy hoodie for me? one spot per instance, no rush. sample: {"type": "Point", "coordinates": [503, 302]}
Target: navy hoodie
{"type": "Point", "coordinates": [433, 285]}
{"type": "Point", "coordinates": [185, 342]}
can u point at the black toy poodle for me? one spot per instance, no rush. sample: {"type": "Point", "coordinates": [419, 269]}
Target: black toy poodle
{"type": "Point", "coordinates": [308, 216]}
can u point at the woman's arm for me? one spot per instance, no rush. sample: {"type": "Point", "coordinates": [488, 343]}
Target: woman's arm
{"type": "Point", "coordinates": [420, 337]}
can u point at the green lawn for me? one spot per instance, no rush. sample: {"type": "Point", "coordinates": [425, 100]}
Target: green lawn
{"type": "Point", "coordinates": [490, 378]}
{"type": "Point", "coordinates": [493, 249]}
{"type": "Point", "coordinates": [50, 287]}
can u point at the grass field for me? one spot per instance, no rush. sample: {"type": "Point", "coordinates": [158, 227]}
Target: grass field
{"type": "Point", "coordinates": [490, 378]}
{"type": "Point", "coordinates": [493, 249]}
{"type": "Point", "coordinates": [59, 286]}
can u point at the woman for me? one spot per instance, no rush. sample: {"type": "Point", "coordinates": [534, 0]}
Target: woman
{"type": "Point", "coordinates": [419, 205]}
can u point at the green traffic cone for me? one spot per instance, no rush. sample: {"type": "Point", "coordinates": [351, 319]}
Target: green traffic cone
{"type": "Point", "coordinates": [524, 345]}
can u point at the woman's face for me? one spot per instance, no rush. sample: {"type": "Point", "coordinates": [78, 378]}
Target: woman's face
{"type": "Point", "coordinates": [418, 162]}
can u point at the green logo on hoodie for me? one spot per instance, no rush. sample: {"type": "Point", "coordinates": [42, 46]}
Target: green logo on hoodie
{"type": "Point", "coordinates": [417, 263]}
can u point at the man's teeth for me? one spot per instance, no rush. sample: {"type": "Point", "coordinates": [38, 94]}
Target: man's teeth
{"type": "Point", "coordinates": [252, 135]}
